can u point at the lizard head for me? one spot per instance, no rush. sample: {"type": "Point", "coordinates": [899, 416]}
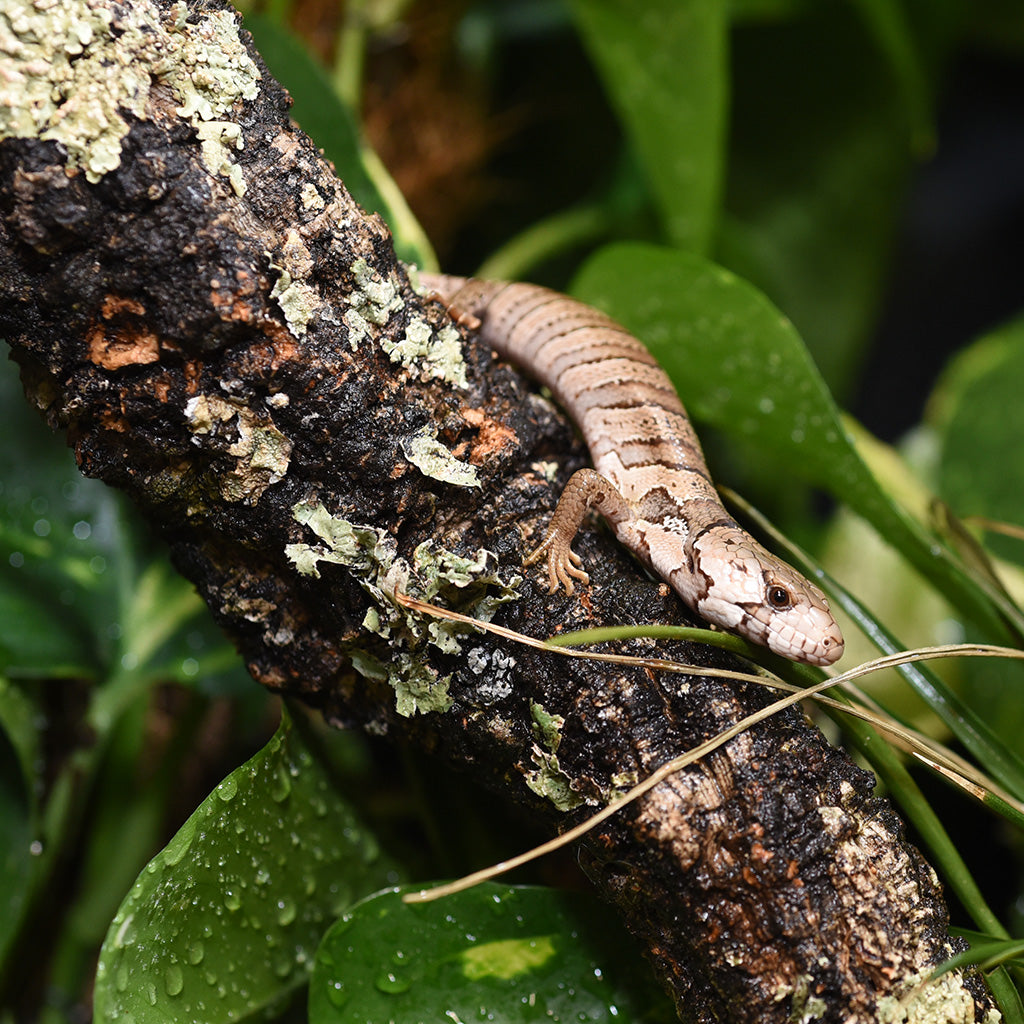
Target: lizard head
{"type": "Point", "coordinates": [751, 592]}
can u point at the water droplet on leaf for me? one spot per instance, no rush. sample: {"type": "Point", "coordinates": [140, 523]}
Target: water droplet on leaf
{"type": "Point", "coordinates": [174, 980]}
{"type": "Point", "coordinates": [391, 983]}
{"type": "Point", "coordinates": [285, 912]}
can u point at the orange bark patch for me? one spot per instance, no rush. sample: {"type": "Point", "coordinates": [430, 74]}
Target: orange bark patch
{"type": "Point", "coordinates": [110, 420]}
{"type": "Point", "coordinates": [113, 349]}
{"type": "Point", "coordinates": [492, 436]}
{"type": "Point", "coordinates": [115, 304]}
{"type": "Point", "coordinates": [114, 345]}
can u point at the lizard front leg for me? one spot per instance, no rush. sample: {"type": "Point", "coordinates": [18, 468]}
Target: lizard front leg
{"type": "Point", "coordinates": [586, 489]}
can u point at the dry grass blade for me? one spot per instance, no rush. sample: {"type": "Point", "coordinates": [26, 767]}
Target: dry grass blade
{"type": "Point", "coordinates": [929, 753]}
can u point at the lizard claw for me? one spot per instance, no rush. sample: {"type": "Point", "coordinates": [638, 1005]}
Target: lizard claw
{"type": "Point", "coordinates": [563, 563]}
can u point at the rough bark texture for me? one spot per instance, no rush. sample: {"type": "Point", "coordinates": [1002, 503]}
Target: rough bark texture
{"type": "Point", "coordinates": [257, 373]}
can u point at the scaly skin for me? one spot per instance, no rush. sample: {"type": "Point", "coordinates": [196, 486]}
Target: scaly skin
{"type": "Point", "coordinates": [650, 480]}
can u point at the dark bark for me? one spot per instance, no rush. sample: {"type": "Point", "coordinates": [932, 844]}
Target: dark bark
{"type": "Point", "coordinates": [271, 436]}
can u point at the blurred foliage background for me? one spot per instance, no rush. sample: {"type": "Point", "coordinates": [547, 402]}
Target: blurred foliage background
{"type": "Point", "coordinates": [859, 164]}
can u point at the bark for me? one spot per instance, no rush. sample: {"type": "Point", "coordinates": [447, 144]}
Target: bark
{"type": "Point", "coordinates": [226, 336]}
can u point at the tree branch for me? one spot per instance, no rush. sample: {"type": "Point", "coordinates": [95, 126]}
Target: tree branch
{"type": "Point", "coordinates": [227, 337]}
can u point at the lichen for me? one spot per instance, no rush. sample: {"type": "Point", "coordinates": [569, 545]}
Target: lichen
{"type": "Point", "coordinates": [262, 451]}
{"type": "Point", "coordinates": [311, 198]}
{"type": "Point", "coordinates": [922, 1000]}
{"type": "Point", "coordinates": [298, 301]}
{"type": "Point", "coordinates": [495, 669]}
{"type": "Point", "coordinates": [429, 353]}
{"type": "Point", "coordinates": [804, 1008]}
{"type": "Point", "coordinates": [217, 139]}
{"type": "Point", "coordinates": [469, 582]}
{"type": "Point", "coordinates": [432, 354]}
{"type": "Point", "coordinates": [372, 300]}
{"type": "Point", "coordinates": [432, 459]}
{"type": "Point", "coordinates": [548, 779]}
{"type": "Point", "coordinates": [72, 70]}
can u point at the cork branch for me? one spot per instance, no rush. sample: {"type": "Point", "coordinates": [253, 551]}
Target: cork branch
{"type": "Point", "coordinates": [194, 298]}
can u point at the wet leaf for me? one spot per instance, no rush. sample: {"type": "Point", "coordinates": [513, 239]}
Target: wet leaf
{"type": "Point", "coordinates": [223, 924]}
{"type": "Point", "coordinates": [490, 953]}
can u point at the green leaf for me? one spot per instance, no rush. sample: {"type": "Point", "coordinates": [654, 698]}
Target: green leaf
{"type": "Point", "coordinates": [58, 537]}
{"type": "Point", "coordinates": [888, 23]}
{"type": "Point", "coordinates": [489, 953]}
{"type": "Point", "coordinates": [18, 722]}
{"type": "Point", "coordinates": [18, 752]}
{"type": "Point", "coordinates": [329, 122]}
{"type": "Point", "coordinates": [739, 364]}
{"type": "Point", "coordinates": [817, 162]}
{"type": "Point", "coordinates": [224, 922]}
{"type": "Point", "coordinates": [977, 412]}
{"type": "Point", "coordinates": [978, 416]}
{"type": "Point", "coordinates": [664, 66]}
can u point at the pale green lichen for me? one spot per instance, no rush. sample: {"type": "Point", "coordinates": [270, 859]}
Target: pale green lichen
{"type": "Point", "coordinates": [371, 301]}
{"type": "Point", "coordinates": [804, 1008]}
{"type": "Point", "coordinates": [217, 139]}
{"type": "Point", "coordinates": [433, 354]}
{"type": "Point", "coordinates": [547, 728]}
{"type": "Point", "coordinates": [943, 1000]}
{"type": "Point", "coordinates": [73, 69]}
{"type": "Point", "coordinates": [429, 353]}
{"type": "Point", "coordinates": [298, 301]}
{"type": "Point", "coordinates": [310, 197]}
{"type": "Point", "coordinates": [621, 784]}
{"type": "Point", "coordinates": [262, 451]}
{"type": "Point", "coordinates": [548, 779]}
{"type": "Point", "coordinates": [370, 555]}
{"type": "Point", "coordinates": [432, 459]}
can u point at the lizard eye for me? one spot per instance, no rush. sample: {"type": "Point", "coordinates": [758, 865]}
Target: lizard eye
{"type": "Point", "coordinates": [779, 597]}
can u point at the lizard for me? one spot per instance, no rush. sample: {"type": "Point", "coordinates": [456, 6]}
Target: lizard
{"type": "Point", "coordinates": [650, 480]}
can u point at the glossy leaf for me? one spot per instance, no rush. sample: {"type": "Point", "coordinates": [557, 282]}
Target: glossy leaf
{"type": "Point", "coordinates": [58, 534]}
{"type": "Point", "coordinates": [978, 413]}
{"type": "Point", "coordinates": [739, 364]}
{"type": "Point", "coordinates": [18, 752]}
{"type": "Point", "coordinates": [664, 66]}
{"type": "Point", "coordinates": [490, 953]}
{"type": "Point", "coordinates": [979, 417]}
{"type": "Point", "coordinates": [818, 156]}
{"type": "Point", "coordinates": [224, 922]}
{"type": "Point", "coordinates": [891, 28]}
